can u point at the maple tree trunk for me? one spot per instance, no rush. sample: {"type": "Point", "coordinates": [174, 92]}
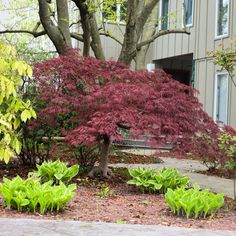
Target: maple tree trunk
{"type": "Point", "coordinates": [103, 165]}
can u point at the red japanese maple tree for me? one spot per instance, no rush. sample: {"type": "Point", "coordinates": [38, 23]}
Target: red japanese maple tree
{"type": "Point", "coordinates": [106, 96]}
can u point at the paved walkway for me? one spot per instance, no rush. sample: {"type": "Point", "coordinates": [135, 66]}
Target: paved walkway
{"type": "Point", "coordinates": [188, 168]}
{"type": "Point", "coordinates": [29, 227]}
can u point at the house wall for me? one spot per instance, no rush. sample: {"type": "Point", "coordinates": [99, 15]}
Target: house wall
{"type": "Point", "coordinates": [200, 41]}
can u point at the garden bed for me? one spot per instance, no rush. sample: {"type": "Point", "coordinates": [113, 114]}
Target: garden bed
{"type": "Point", "coordinates": [121, 204]}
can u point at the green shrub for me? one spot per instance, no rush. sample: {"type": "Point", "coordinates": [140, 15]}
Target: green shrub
{"type": "Point", "coordinates": [31, 195]}
{"type": "Point", "coordinates": [153, 181]}
{"type": "Point", "coordinates": [194, 202]}
{"type": "Point", "coordinates": [56, 172]}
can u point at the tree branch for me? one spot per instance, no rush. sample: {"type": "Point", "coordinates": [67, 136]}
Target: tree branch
{"type": "Point", "coordinates": [144, 14]}
{"type": "Point", "coordinates": [161, 33]}
{"type": "Point", "coordinates": [77, 37]}
{"type": "Point", "coordinates": [51, 29]}
{"type": "Point", "coordinates": [33, 33]}
{"type": "Point", "coordinates": [157, 35]}
{"type": "Point", "coordinates": [112, 37]}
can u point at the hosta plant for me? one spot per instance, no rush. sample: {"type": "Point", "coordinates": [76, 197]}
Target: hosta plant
{"type": "Point", "coordinates": [56, 172]}
{"type": "Point", "coordinates": [152, 180]}
{"type": "Point", "coordinates": [30, 195]}
{"type": "Point", "coordinates": [141, 177]}
{"type": "Point", "coordinates": [194, 202]}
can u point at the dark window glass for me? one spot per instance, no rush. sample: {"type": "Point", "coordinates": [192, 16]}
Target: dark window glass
{"type": "Point", "coordinates": [222, 17]}
{"type": "Point", "coordinates": [189, 12]}
{"type": "Point", "coordinates": [164, 14]}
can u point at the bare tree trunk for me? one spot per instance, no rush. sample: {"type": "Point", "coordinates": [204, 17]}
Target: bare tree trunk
{"type": "Point", "coordinates": [63, 21]}
{"type": "Point", "coordinates": [89, 24]}
{"type": "Point", "coordinates": [59, 38]}
{"type": "Point", "coordinates": [130, 37]}
{"type": "Point", "coordinates": [136, 19]}
{"type": "Point", "coordinates": [86, 33]}
{"type": "Point", "coordinates": [84, 15]}
{"type": "Point", "coordinates": [103, 165]}
{"type": "Point", "coordinates": [148, 31]}
{"type": "Point", "coordinates": [104, 154]}
{"type": "Point", "coordinates": [96, 43]}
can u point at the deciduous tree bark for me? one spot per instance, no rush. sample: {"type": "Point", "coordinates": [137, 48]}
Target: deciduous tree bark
{"type": "Point", "coordinates": [103, 165]}
{"type": "Point", "coordinates": [59, 35]}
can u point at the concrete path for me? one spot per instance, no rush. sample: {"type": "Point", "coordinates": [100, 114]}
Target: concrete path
{"type": "Point", "coordinates": [188, 168]}
{"type": "Point", "coordinates": [30, 227]}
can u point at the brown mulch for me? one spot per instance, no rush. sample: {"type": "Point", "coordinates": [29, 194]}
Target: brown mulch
{"type": "Point", "coordinates": [131, 158]}
{"type": "Point", "coordinates": [123, 203]}
{"type": "Point", "coordinates": [127, 204]}
{"type": "Point", "coordinates": [219, 172]}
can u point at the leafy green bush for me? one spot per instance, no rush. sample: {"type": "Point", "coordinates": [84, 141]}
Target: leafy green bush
{"type": "Point", "coordinates": [14, 109]}
{"type": "Point", "coordinates": [153, 181]}
{"type": "Point", "coordinates": [31, 195]}
{"type": "Point", "coordinates": [228, 145]}
{"type": "Point", "coordinates": [56, 172]}
{"type": "Point", "coordinates": [194, 202]}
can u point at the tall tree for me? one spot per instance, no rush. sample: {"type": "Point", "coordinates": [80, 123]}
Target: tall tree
{"type": "Point", "coordinates": [58, 26]}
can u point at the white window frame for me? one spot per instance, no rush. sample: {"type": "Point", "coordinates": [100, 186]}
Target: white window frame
{"type": "Point", "coordinates": [184, 15]}
{"type": "Point", "coordinates": [216, 94]}
{"type": "Point", "coordinates": [216, 21]}
{"type": "Point", "coordinates": [160, 15]}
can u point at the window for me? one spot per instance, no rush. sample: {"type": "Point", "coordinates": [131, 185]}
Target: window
{"type": "Point", "coordinates": [115, 12]}
{"type": "Point", "coordinates": [188, 11]}
{"type": "Point", "coordinates": [221, 98]}
{"type": "Point", "coordinates": [222, 18]}
{"type": "Point", "coordinates": [164, 8]}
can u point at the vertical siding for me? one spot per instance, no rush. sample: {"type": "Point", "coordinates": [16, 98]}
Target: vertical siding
{"type": "Point", "coordinates": [201, 40]}
{"type": "Point", "coordinates": [201, 69]}
{"type": "Point", "coordinates": [209, 87]}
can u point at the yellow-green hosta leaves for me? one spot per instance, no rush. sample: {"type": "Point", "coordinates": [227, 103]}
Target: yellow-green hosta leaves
{"type": "Point", "coordinates": [13, 110]}
{"type": "Point", "coordinates": [31, 196]}
{"type": "Point", "coordinates": [152, 180]}
{"type": "Point", "coordinates": [194, 202]}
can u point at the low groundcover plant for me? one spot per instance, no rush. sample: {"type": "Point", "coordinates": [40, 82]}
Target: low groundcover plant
{"type": "Point", "coordinates": [56, 171]}
{"type": "Point", "coordinates": [151, 180]}
{"type": "Point", "coordinates": [30, 195]}
{"type": "Point", "coordinates": [194, 202]}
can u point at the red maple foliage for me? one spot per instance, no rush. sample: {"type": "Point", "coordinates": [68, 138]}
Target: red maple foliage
{"type": "Point", "coordinates": [105, 97]}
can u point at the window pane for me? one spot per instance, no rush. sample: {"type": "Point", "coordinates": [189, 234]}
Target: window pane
{"type": "Point", "coordinates": [189, 12]}
{"type": "Point", "coordinates": [222, 98]}
{"type": "Point", "coordinates": [222, 24]}
{"type": "Point", "coordinates": [164, 14]}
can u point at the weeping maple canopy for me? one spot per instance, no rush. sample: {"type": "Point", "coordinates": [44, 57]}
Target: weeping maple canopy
{"type": "Point", "coordinates": [105, 97]}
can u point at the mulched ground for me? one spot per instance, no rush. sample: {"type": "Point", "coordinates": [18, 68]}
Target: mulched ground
{"type": "Point", "coordinates": [121, 157]}
{"type": "Point", "coordinates": [219, 172]}
{"type": "Point", "coordinates": [123, 204]}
